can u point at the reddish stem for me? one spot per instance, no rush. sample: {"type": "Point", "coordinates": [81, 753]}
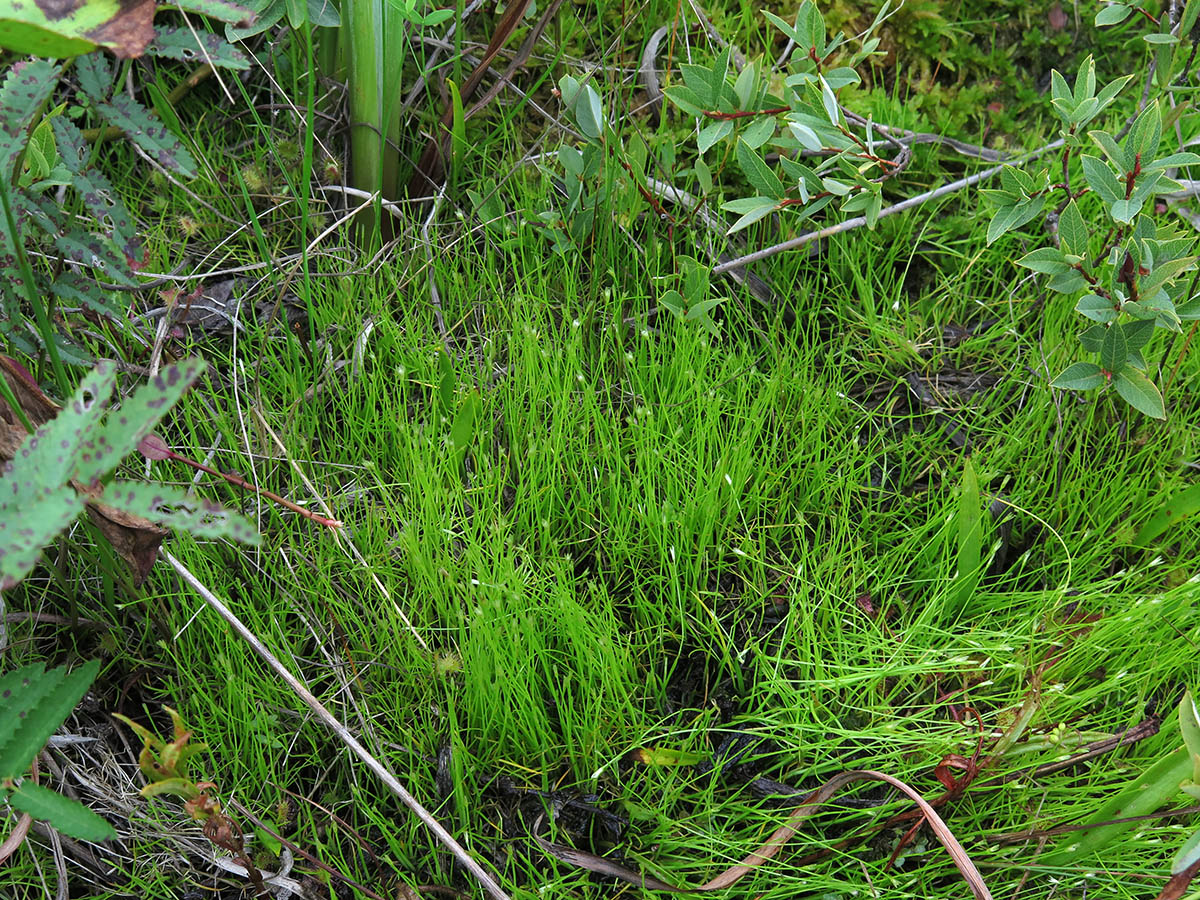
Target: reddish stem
{"type": "Point", "coordinates": [746, 113]}
{"type": "Point", "coordinates": [247, 486]}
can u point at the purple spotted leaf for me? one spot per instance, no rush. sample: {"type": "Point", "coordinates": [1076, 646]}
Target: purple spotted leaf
{"type": "Point", "coordinates": [94, 188]}
{"type": "Point", "coordinates": [174, 507]}
{"type": "Point", "coordinates": [95, 252]}
{"type": "Point", "coordinates": [126, 426]}
{"type": "Point", "coordinates": [73, 290]}
{"type": "Point", "coordinates": [36, 503]}
{"type": "Point", "coordinates": [22, 93]}
{"type": "Point", "coordinates": [148, 133]}
{"type": "Point", "coordinates": [48, 458]}
{"type": "Point", "coordinates": [196, 47]}
{"type": "Point", "coordinates": [26, 529]}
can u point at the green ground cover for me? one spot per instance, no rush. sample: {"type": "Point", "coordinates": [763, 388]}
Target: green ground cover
{"type": "Point", "coordinates": [576, 528]}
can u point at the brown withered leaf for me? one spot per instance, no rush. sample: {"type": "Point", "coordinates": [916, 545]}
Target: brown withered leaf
{"type": "Point", "coordinates": [136, 540]}
{"type": "Point", "coordinates": [1057, 18]}
{"type": "Point", "coordinates": [128, 32]}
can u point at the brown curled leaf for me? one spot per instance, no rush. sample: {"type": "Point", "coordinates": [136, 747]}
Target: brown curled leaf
{"type": "Point", "coordinates": [601, 866]}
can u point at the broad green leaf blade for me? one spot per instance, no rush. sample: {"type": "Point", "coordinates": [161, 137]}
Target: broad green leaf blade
{"type": "Point", "coordinates": [711, 134]}
{"type": "Point", "coordinates": [589, 113]}
{"type": "Point", "coordinates": [96, 252]}
{"type": "Point", "coordinates": [175, 508]}
{"type": "Point", "coordinates": [267, 15]}
{"type": "Point", "coordinates": [1189, 727]}
{"type": "Point", "coordinates": [1100, 178]}
{"type": "Point", "coordinates": [1176, 509]}
{"type": "Point", "coordinates": [1072, 232]}
{"type": "Point", "coordinates": [137, 417]}
{"type": "Point", "coordinates": [1113, 15]}
{"type": "Point", "coordinates": [69, 816]}
{"type": "Point", "coordinates": [1140, 392]}
{"type": "Point", "coordinates": [1096, 308]}
{"type": "Point", "coordinates": [1114, 350]}
{"type": "Point", "coordinates": [1146, 133]}
{"type": "Point", "coordinates": [24, 90]}
{"type": "Point", "coordinates": [1047, 260]}
{"type": "Point", "coordinates": [57, 693]}
{"type": "Point", "coordinates": [1082, 376]}
{"type": "Point", "coordinates": [1138, 333]}
{"type": "Point", "coordinates": [759, 132]}
{"type": "Point", "coordinates": [46, 28]}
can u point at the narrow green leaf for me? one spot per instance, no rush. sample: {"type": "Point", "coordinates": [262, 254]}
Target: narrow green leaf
{"type": "Point", "coordinates": [69, 816]}
{"type": "Point", "coordinates": [716, 75]}
{"type": "Point", "coordinates": [970, 541]}
{"type": "Point", "coordinates": [1085, 81]}
{"type": "Point", "coordinates": [1156, 786]}
{"type": "Point", "coordinates": [1139, 392]}
{"type": "Point", "coordinates": [785, 27]}
{"type": "Point", "coordinates": [1115, 153]}
{"type": "Point", "coordinates": [1175, 509]}
{"type": "Point", "coordinates": [458, 130]}
{"type": "Point", "coordinates": [759, 132]}
{"type": "Point", "coordinates": [761, 176]}
{"type": "Point", "coordinates": [813, 26]}
{"type": "Point", "coordinates": [1188, 854]}
{"type": "Point", "coordinates": [1109, 92]}
{"type": "Point", "coordinates": [744, 86]}
{"type": "Point", "coordinates": [1146, 133]}
{"type": "Point", "coordinates": [763, 208]}
{"type": "Point", "coordinates": [1082, 376]}
{"type": "Point", "coordinates": [829, 102]}
{"type": "Point", "coordinates": [1060, 92]}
